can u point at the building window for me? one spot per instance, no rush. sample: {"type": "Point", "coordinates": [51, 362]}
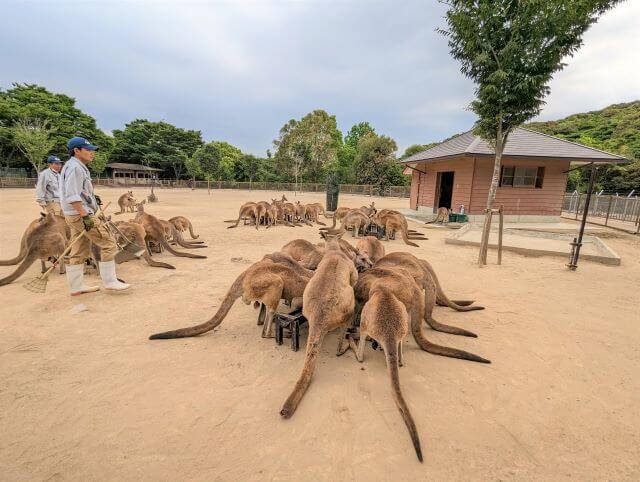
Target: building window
{"type": "Point", "coordinates": [512, 176]}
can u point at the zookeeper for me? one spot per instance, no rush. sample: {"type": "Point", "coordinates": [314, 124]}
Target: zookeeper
{"type": "Point", "coordinates": [47, 191]}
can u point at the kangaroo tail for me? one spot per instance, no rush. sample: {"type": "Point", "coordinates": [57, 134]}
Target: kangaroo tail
{"type": "Point", "coordinates": [168, 247]}
{"type": "Point", "coordinates": [442, 298]}
{"type": "Point", "coordinates": [22, 267]}
{"type": "Point", "coordinates": [453, 330]}
{"type": "Point", "coordinates": [391, 354]}
{"type": "Point", "coordinates": [177, 236]}
{"type": "Point", "coordinates": [21, 254]}
{"type": "Point", "coordinates": [429, 347]}
{"type": "Point", "coordinates": [405, 238]}
{"type": "Point", "coordinates": [314, 342]}
{"type": "Point", "coordinates": [232, 295]}
{"type": "Point", "coordinates": [191, 233]}
{"type": "Point", "coordinates": [157, 264]}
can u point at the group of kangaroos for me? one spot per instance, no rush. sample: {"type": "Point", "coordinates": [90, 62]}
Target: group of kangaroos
{"type": "Point", "coordinates": [337, 285]}
{"type": "Point", "coordinates": [358, 220]}
{"type": "Point", "coordinates": [46, 237]}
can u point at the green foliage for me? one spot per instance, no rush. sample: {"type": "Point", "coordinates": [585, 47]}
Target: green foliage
{"type": "Point", "coordinates": [615, 128]}
{"type": "Point", "coordinates": [511, 49]}
{"type": "Point", "coordinates": [415, 148]}
{"type": "Point", "coordinates": [229, 156]}
{"type": "Point", "coordinates": [36, 104]}
{"type": "Point", "coordinates": [155, 144]}
{"type": "Point", "coordinates": [251, 168]}
{"type": "Point", "coordinates": [208, 160]}
{"type": "Point", "coordinates": [375, 162]}
{"type": "Point", "coordinates": [34, 140]}
{"type": "Point", "coordinates": [347, 153]}
{"type": "Point", "coordinates": [308, 148]}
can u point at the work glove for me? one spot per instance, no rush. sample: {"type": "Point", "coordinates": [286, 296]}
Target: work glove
{"type": "Point", "coordinates": [98, 200]}
{"type": "Point", "coordinates": [88, 222]}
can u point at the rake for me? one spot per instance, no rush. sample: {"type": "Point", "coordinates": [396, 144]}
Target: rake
{"type": "Point", "coordinates": [130, 250]}
{"type": "Point", "coordinates": [39, 284]}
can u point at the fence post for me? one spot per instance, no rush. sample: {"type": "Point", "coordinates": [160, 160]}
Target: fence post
{"type": "Point", "coordinates": [606, 221]}
{"type": "Point", "coordinates": [500, 227]}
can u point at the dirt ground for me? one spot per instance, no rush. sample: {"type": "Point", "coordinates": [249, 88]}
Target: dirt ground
{"type": "Point", "coordinates": [87, 397]}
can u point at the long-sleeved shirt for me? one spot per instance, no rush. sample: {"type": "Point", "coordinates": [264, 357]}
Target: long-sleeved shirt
{"type": "Point", "coordinates": [47, 187]}
{"type": "Point", "coordinates": [76, 185]}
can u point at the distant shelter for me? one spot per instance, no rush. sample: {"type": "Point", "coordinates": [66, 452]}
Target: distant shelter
{"type": "Point", "coordinates": [123, 173]}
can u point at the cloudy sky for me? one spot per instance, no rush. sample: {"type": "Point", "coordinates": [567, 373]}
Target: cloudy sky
{"type": "Point", "coordinates": [238, 70]}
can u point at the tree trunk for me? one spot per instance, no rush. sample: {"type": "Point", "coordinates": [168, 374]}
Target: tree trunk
{"type": "Point", "coordinates": [486, 229]}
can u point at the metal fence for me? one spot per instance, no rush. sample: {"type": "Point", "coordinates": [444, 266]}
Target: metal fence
{"type": "Point", "coordinates": [606, 208]}
{"type": "Point", "coordinates": [364, 189]}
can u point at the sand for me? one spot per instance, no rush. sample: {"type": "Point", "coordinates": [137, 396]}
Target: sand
{"type": "Point", "coordinates": [86, 396]}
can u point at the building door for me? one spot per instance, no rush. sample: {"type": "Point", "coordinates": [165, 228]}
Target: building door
{"type": "Point", "coordinates": [444, 190]}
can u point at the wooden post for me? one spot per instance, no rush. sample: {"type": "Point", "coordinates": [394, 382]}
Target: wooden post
{"type": "Point", "coordinates": [209, 187]}
{"type": "Point", "coordinates": [500, 227]}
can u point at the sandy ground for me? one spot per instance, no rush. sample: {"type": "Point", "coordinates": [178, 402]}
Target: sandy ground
{"type": "Point", "coordinates": [87, 397]}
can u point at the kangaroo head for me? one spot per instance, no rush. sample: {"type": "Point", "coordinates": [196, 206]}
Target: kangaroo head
{"type": "Point", "coordinates": [284, 198]}
{"type": "Point", "coordinates": [362, 261]}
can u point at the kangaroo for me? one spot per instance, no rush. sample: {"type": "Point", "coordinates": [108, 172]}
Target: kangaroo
{"type": "Point", "coordinates": [409, 292]}
{"type": "Point", "coordinates": [45, 241]}
{"type": "Point", "coordinates": [135, 233]}
{"type": "Point", "coordinates": [175, 236]}
{"type": "Point", "coordinates": [369, 210]}
{"type": "Point", "coordinates": [156, 232]}
{"type": "Point", "coordinates": [299, 249]}
{"type": "Point", "coordinates": [320, 209]}
{"type": "Point", "coordinates": [262, 208]}
{"type": "Point", "coordinates": [182, 224]}
{"type": "Point", "coordinates": [127, 203]}
{"type": "Point", "coordinates": [442, 216]}
{"type": "Point", "coordinates": [247, 211]}
{"type": "Point", "coordinates": [355, 219]}
{"type": "Point", "coordinates": [264, 282]}
{"type": "Point", "coordinates": [423, 273]}
{"type": "Point", "coordinates": [385, 319]}
{"type": "Point", "coordinates": [338, 214]}
{"type": "Point", "coordinates": [372, 247]}
{"type": "Point", "coordinates": [312, 213]}
{"type": "Point", "coordinates": [301, 213]}
{"type": "Point", "coordinates": [289, 213]}
{"type": "Point", "coordinates": [328, 303]}
{"type": "Point", "coordinates": [391, 222]}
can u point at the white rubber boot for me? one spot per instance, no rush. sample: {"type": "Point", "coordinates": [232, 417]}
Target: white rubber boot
{"type": "Point", "coordinates": [108, 275]}
{"type": "Point", "coordinates": [75, 278]}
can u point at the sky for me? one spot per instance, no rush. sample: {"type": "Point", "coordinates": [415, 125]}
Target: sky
{"type": "Point", "coordinates": [238, 70]}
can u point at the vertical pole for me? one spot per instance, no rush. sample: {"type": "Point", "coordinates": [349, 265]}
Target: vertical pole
{"type": "Point", "coordinates": [578, 205]}
{"type": "Point", "coordinates": [574, 262]}
{"type": "Point", "coordinates": [606, 220]}
{"type": "Point", "coordinates": [209, 187]}
{"type": "Point", "coordinates": [500, 227]}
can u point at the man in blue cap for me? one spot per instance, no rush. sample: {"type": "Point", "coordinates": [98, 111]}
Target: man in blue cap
{"type": "Point", "coordinates": [47, 192]}
{"type": "Point", "coordinates": [79, 206]}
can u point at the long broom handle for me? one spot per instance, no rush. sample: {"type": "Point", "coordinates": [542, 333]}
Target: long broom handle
{"type": "Point", "coordinates": [109, 223]}
{"type": "Point", "coordinates": [64, 253]}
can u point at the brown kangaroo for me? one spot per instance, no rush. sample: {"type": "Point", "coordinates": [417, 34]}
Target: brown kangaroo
{"type": "Point", "coordinates": [385, 319]}
{"type": "Point", "coordinates": [409, 292]}
{"type": "Point", "coordinates": [264, 282]}
{"type": "Point", "coordinates": [442, 216]}
{"type": "Point", "coordinates": [355, 219]}
{"type": "Point", "coordinates": [423, 273]}
{"type": "Point", "coordinates": [127, 203]}
{"type": "Point", "coordinates": [369, 210]}
{"type": "Point", "coordinates": [248, 211]}
{"type": "Point", "coordinates": [328, 303]}
{"type": "Point", "coordinates": [135, 233]}
{"type": "Point", "coordinates": [46, 241]}
{"type": "Point", "coordinates": [338, 214]}
{"type": "Point", "coordinates": [312, 212]}
{"type": "Point", "coordinates": [182, 224]}
{"type": "Point", "coordinates": [392, 222]}
{"type": "Point", "coordinates": [156, 232]}
{"type": "Point", "coordinates": [372, 247]}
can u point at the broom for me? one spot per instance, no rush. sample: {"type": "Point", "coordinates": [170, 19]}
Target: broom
{"type": "Point", "coordinates": [39, 284]}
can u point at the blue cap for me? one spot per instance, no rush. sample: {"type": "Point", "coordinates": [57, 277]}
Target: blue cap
{"type": "Point", "coordinates": [80, 143]}
{"type": "Point", "coordinates": [53, 160]}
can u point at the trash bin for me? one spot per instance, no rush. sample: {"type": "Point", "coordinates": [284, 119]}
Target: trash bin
{"type": "Point", "coordinates": [453, 217]}
{"type": "Point", "coordinates": [333, 189]}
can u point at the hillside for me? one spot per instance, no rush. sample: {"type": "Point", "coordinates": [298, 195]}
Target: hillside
{"type": "Point", "coordinates": [615, 129]}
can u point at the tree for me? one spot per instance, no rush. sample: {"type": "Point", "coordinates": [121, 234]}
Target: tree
{"type": "Point", "coordinates": [307, 148]}
{"type": "Point", "coordinates": [155, 144]}
{"type": "Point", "coordinates": [209, 161]}
{"type": "Point", "coordinates": [229, 156]}
{"type": "Point", "coordinates": [511, 49]}
{"type": "Point", "coordinates": [415, 148]}
{"type": "Point", "coordinates": [34, 140]}
{"type": "Point", "coordinates": [347, 154]}
{"type": "Point", "coordinates": [37, 105]}
{"type": "Point", "coordinates": [376, 164]}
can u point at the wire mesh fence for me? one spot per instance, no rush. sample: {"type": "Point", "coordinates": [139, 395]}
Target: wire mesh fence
{"type": "Point", "coordinates": [363, 189]}
{"type": "Point", "coordinates": [604, 208]}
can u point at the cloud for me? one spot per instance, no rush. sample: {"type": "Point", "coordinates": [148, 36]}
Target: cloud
{"type": "Point", "coordinates": [238, 70]}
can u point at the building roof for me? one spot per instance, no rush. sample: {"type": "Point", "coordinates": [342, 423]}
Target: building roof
{"type": "Point", "coordinates": [123, 166]}
{"type": "Point", "coordinates": [522, 142]}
